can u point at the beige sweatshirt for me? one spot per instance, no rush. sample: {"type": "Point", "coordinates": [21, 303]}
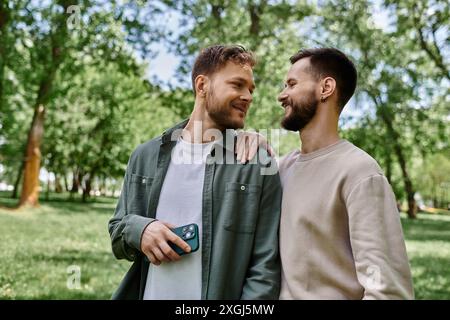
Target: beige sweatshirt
{"type": "Point", "coordinates": [340, 231]}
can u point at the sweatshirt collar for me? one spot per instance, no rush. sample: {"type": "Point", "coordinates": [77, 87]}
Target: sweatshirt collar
{"type": "Point", "coordinates": [320, 152]}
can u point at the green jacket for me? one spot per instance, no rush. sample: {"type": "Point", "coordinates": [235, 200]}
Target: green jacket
{"type": "Point", "coordinates": [241, 212]}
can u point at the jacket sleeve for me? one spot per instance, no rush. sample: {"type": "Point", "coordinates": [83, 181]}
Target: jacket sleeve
{"type": "Point", "coordinates": [263, 275]}
{"type": "Point", "coordinates": [377, 242]}
{"type": "Point", "coordinates": [126, 229]}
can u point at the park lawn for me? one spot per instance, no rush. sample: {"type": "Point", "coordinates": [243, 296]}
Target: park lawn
{"type": "Point", "coordinates": [38, 248]}
{"type": "Point", "coordinates": [41, 251]}
{"type": "Point", "coordinates": [428, 247]}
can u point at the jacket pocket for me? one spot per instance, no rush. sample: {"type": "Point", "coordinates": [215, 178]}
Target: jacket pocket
{"type": "Point", "coordinates": [242, 205]}
{"type": "Point", "coordinates": [138, 194]}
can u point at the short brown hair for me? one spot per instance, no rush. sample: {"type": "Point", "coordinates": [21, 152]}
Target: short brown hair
{"type": "Point", "coordinates": [331, 62]}
{"type": "Point", "coordinates": [211, 59]}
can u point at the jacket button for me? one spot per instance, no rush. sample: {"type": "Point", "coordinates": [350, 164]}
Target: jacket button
{"type": "Point", "coordinates": [242, 188]}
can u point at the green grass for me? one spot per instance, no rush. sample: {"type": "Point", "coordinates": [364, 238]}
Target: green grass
{"type": "Point", "coordinates": [37, 247]}
{"type": "Point", "coordinates": [428, 246]}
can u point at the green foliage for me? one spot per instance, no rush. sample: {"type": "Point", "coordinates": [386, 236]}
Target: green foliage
{"type": "Point", "coordinates": [101, 106]}
{"type": "Point", "coordinates": [402, 117]}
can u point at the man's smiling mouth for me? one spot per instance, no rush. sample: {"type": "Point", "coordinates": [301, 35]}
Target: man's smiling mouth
{"type": "Point", "coordinates": [240, 108]}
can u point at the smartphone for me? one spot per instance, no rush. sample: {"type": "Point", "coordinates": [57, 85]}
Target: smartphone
{"type": "Point", "coordinates": [189, 233]}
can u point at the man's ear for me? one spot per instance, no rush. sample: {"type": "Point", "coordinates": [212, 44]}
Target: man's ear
{"type": "Point", "coordinates": [328, 87]}
{"type": "Point", "coordinates": [201, 85]}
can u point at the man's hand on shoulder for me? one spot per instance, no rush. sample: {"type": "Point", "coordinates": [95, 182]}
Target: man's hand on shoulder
{"type": "Point", "coordinates": [247, 145]}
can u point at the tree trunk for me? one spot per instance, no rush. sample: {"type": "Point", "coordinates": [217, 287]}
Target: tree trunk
{"type": "Point", "coordinates": [394, 138]}
{"type": "Point", "coordinates": [103, 187]}
{"type": "Point", "coordinates": [435, 200]}
{"type": "Point", "coordinates": [87, 187]}
{"type": "Point", "coordinates": [216, 11]}
{"type": "Point", "coordinates": [47, 194]}
{"type": "Point", "coordinates": [389, 168]}
{"type": "Point", "coordinates": [66, 184]}
{"type": "Point", "coordinates": [255, 11]}
{"type": "Point", "coordinates": [58, 187]}
{"type": "Point", "coordinates": [441, 197]}
{"type": "Point", "coordinates": [412, 208]}
{"type": "Point", "coordinates": [75, 181]}
{"type": "Point", "coordinates": [434, 55]}
{"type": "Point", "coordinates": [30, 186]}
{"type": "Point", "coordinates": [19, 177]}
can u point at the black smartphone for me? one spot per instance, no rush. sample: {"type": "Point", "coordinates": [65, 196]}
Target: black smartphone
{"type": "Point", "coordinates": [189, 233]}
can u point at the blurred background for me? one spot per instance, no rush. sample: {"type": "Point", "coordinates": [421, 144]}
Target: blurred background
{"type": "Point", "coordinates": [82, 83]}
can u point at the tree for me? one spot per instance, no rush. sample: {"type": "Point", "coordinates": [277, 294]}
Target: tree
{"type": "Point", "coordinates": [99, 121]}
{"type": "Point", "coordinates": [426, 22]}
{"type": "Point", "coordinates": [56, 39]}
{"type": "Point", "coordinates": [46, 31]}
{"type": "Point", "coordinates": [385, 81]}
{"type": "Point", "coordinates": [435, 182]}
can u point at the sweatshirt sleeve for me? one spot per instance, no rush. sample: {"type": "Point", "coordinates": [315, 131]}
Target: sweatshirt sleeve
{"type": "Point", "coordinates": [377, 241]}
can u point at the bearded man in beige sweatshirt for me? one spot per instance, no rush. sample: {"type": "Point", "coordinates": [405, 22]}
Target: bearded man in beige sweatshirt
{"type": "Point", "coordinates": [340, 231]}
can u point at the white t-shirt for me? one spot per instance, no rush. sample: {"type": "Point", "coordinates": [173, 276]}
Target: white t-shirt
{"type": "Point", "coordinates": [180, 203]}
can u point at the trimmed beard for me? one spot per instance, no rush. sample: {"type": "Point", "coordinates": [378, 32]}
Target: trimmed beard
{"type": "Point", "coordinates": [220, 114]}
{"type": "Point", "coordinates": [300, 115]}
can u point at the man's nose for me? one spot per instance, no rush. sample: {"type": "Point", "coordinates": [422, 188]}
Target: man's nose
{"type": "Point", "coordinates": [282, 96]}
{"type": "Point", "coordinates": [247, 97]}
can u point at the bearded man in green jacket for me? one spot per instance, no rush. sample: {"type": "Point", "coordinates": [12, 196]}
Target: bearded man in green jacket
{"type": "Point", "coordinates": [190, 174]}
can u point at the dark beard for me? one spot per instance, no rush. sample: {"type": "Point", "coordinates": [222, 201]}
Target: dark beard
{"type": "Point", "coordinates": [300, 115]}
{"type": "Point", "coordinates": [220, 114]}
